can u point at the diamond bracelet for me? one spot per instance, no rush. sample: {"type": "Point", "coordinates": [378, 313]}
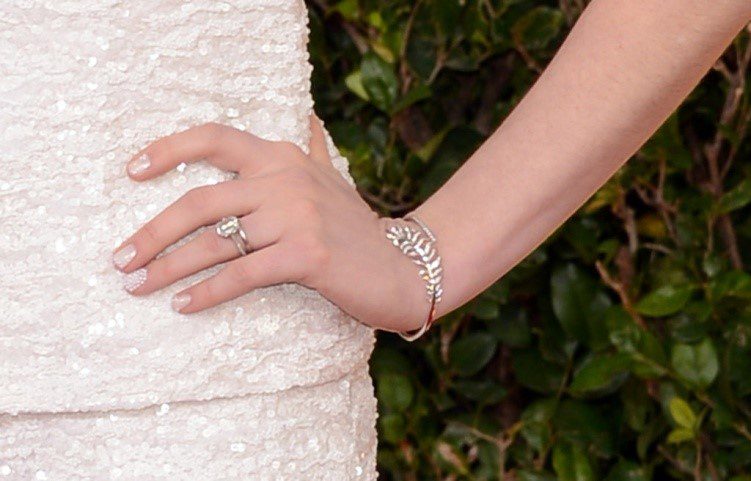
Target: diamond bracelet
{"type": "Point", "coordinates": [417, 244]}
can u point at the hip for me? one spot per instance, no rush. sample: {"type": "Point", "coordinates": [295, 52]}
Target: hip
{"type": "Point", "coordinates": [317, 432]}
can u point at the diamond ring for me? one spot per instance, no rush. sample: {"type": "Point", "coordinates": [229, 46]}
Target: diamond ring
{"type": "Point", "coordinates": [230, 227]}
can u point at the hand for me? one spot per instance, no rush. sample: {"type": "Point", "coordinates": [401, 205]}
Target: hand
{"type": "Point", "coordinates": [305, 223]}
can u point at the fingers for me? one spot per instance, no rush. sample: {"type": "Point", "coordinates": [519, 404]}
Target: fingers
{"type": "Point", "coordinates": [319, 151]}
{"type": "Point", "coordinates": [225, 147]}
{"type": "Point", "coordinates": [221, 145]}
{"type": "Point", "coordinates": [207, 249]}
{"type": "Point", "coordinates": [284, 169]}
{"type": "Point", "coordinates": [271, 265]}
{"type": "Point", "coordinates": [197, 207]}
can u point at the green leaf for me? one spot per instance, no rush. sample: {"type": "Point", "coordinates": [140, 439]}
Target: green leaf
{"type": "Point", "coordinates": [571, 463]}
{"type": "Point", "coordinates": [512, 326]}
{"type": "Point", "coordinates": [651, 359]}
{"type": "Point", "coordinates": [680, 435]}
{"type": "Point", "coordinates": [353, 81]}
{"type": "Point", "coordinates": [623, 332]}
{"type": "Point", "coordinates": [736, 198]}
{"type": "Point", "coordinates": [647, 355]}
{"type": "Point", "coordinates": [348, 8]}
{"type": "Point", "coordinates": [536, 423]}
{"type": "Point", "coordinates": [457, 143]}
{"type": "Point", "coordinates": [395, 391]}
{"type": "Point", "coordinates": [416, 94]}
{"type": "Point", "coordinates": [627, 471]}
{"type": "Point", "coordinates": [386, 360]}
{"type": "Point", "coordinates": [378, 80]}
{"type": "Point", "coordinates": [538, 27]}
{"type": "Point", "coordinates": [735, 283]}
{"type": "Point", "coordinates": [383, 51]}
{"type": "Point", "coordinates": [580, 305]}
{"type": "Point", "coordinates": [452, 456]}
{"type": "Point", "coordinates": [422, 56]}
{"type": "Point", "coordinates": [393, 427]}
{"type": "Point", "coordinates": [482, 391]}
{"type": "Point", "coordinates": [524, 475]}
{"type": "Point", "coordinates": [682, 413]}
{"type": "Point", "coordinates": [445, 14]}
{"type": "Point", "coordinates": [536, 373]}
{"type": "Point", "coordinates": [599, 372]}
{"type": "Point", "coordinates": [667, 145]}
{"type": "Point", "coordinates": [472, 352]}
{"type": "Point", "coordinates": [581, 423]}
{"type": "Point", "coordinates": [696, 363]}
{"type": "Point", "coordinates": [636, 405]}
{"type": "Point", "coordinates": [664, 301]}
{"type": "Point", "coordinates": [485, 309]}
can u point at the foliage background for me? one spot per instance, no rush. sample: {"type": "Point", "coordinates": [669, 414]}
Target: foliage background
{"type": "Point", "coordinates": [619, 349]}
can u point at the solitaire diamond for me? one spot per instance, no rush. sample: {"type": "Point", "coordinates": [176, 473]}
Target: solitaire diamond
{"type": "Point", "coordinates": [228, 226]}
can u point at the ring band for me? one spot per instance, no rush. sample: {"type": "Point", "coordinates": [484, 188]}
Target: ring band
{"type": "Point", "coordinates": [230, 227]}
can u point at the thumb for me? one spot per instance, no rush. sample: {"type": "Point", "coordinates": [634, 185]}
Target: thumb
{"type": "Point", "coordinates": [319, 151]}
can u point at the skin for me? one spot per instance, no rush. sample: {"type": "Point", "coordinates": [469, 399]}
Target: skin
{"type": "Point", "coordinates": [304, 222]}
{"type": "Point", "coordinates": [625, 66]}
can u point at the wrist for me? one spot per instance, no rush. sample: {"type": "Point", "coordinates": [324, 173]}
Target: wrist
{"type": "Point", "coordinates": [418, 272]}
{"type": "Point", "coordinates": [435, 223]}
{"type": "Point", "coordinates": [407, 287]}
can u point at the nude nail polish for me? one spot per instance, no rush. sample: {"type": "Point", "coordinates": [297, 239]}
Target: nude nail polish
{"type": "Point", "coordinates": [180, 300]}
{"type": "Point", "coordinates": [122, 257]}
{"type": "Point", "coordinates": [133, 280]}
{"type": "Point", "coordinates": [136, 166]}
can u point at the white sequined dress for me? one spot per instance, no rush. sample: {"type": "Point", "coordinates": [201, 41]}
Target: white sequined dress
{"type": "Point", "coordinates": [95, 383]}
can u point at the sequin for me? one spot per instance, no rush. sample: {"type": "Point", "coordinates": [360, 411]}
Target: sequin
{"type": "Point", "coordinates": [85, 85]}
{"type": "Point", "coordinates": [219, 439]}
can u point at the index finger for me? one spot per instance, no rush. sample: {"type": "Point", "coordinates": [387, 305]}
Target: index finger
{"type": "Point", "coordinates": [221, 145]}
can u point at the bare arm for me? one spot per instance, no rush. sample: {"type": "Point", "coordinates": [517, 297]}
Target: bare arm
{"type": "Point", "coordinates": [626, 65]}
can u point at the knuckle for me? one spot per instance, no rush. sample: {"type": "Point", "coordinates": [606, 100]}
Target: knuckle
{"type": "Point", "coordinates": [315, 251]}
{"type": "Point", "coordinates": [290, 150]}
{"type": "Point", "coordinates": [296, 179]}
{"type": "Point", "coordinates": [246, 187]}
{"type": "Point", "coordinates": [212, 242]}
{"type": "Point", "coordinates": [319, 257]}
{"type": "Point", "coordinates": [165, 269]}
{"type": "Point", "coordinates": [214, 131]}
{"type": "Point", "coordinates": [151, 232]}
{"type": "Point", "coordinates": [208, 293]}
{"type": "Point", "coordinates": [307, 209]}
{"type": "Point", "coordinates": [297, 173]}
{"type": "Point", "coordinates": [198, 199]}
{"type": "Point", "coordinates": [211, 135]}
{"type": "Point", "coordinates": [165, 146]}
{"type": "Point", "coordinates": [241, 273]}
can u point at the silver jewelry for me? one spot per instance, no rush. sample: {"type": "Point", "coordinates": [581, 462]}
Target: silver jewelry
{"type": "Point", "coordinates": [422, 225]}
{"type": "Point", "coordinates": [417, 244]}
{"type": "Point", "coordinates": [230, 227]}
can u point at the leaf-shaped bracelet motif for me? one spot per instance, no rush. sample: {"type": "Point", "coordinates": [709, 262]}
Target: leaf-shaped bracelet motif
{"type": "Point", "coordinates": [417, 244]}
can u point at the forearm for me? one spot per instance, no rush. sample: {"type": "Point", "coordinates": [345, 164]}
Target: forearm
{"type": "Point", "coordinates": [625, 66]}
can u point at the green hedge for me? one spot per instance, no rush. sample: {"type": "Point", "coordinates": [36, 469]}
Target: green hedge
{"type": "Point", "coordinates": [619, 349]}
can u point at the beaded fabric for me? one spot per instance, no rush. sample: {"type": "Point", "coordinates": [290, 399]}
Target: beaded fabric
{"type": "Point", "coordinates": [86, 84]}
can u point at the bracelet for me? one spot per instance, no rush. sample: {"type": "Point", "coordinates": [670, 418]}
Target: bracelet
{"type": "Point", "coordinates": [417, 244]}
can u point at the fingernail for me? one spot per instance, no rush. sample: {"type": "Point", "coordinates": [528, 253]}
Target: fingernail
{"type": "Point", "coordinates": [132, 280]}
{"type": "Point", "coordinates": [122, 257]}
{"type": "Point", "coordinates": [136, 166]}
{"type": "Point", "coordinates": [180, 300]}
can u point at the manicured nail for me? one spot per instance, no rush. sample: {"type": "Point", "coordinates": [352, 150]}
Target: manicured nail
{"type": "Point", "coordinates": [122, 257]}
{"type": "Point", "coordinates": [132, 280]}
{"type": "Point", "coordinates": [180, 300]}
{"type": "Point", "coordinates": [136, 166]}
